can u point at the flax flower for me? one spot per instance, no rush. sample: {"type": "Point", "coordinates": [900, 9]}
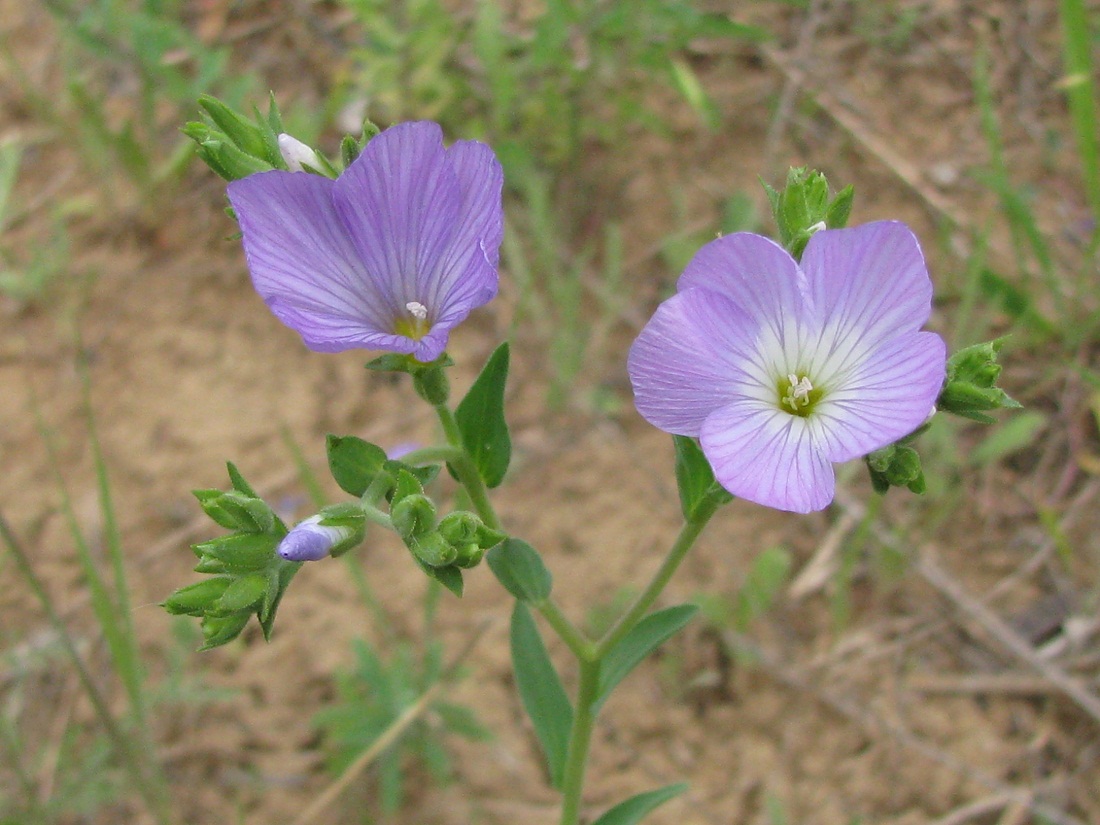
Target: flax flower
{"type": "Point", "coordinates": [782, 370]}
{"type": "Point", "coordinates": [390, 256]}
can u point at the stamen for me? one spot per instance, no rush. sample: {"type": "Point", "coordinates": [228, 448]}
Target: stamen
{"type": "Point", "coordinates": [417, 310]}
{"type": "Point", "coordinates": [799, 393]}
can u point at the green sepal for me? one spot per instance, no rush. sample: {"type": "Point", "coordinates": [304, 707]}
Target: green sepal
{"type": "Point", "coordinates": [896, 465]}
{"type": "Point", "coordinates": [803, 207]}
{"type": "Point", "coordinates": [405, 484]}
{"type": "Point", "coordinates": [398, 362]}
{"type": "Point", "coordinates": [432, 550]}
{"type": "Point", "coordinates": [970, 386]}
{"type": "Point", "coordinates": [636, 808]}
{"type": "Point", "coordinates": [541, 691]}
{"type": "Point", "coordinates": [244, 594]}
{"type": "Point", "coordinates": [241, 551]}
{"type": "Point", "coordinates": [480, 418]}
{"type": "Point", "coordinates": [353, 462]}
{"type": "Point", "coordinates": [348, 515]}
{"type": "Point", "coordinates": [349, 150]}
{"type": "Point", "coordinates": [284, 571]}
{"type": "Point", "coordinates": [432, 384]}
{"type": "Point", "coordinates": [210, 565]}
{"type": "Point", "coordinates": [449, 576]}
{"type": "Point", "coordinates": [237, 511]}
{"type": "Point", "coordinates": [274, 119]}
{"type": "Point", "coordinates": [645, 637]}
{"type": "Point", "coordinates": [225, 159]}
{"type": "Point", "coordinates": [195, 599]}
{"type": "Point", "coordinates": [695, 479]}
{"type": "Point", "coordinates": [413, 516]}
{"type": "Point", "coordinates": [425, 475]}
{"type": "Point", "coordinates": [519, 568]}
{"type": "Point", "coordinates": [245, 135]}
{"type": "Point", "coordinates": [238, 480]}
{"type": "Point", "coordinates": [210, 504]}
{"type": "Point", "coordinates": [219, 630]}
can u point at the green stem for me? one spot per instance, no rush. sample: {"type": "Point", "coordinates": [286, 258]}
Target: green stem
{"type": "Point", "coordinates": [688, 534]}
{"type": "Point", "coordinates": [580, 740]}
{"type": "Point", "coordinates": [580, 645]}
{"type": "Point", "coordinates": [591, 658]}
{"type": "Point", "coordinates": [466, 471]}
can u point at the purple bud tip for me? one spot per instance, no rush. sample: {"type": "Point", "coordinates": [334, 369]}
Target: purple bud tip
{"type": "Point", "coordinates": [309, 541]}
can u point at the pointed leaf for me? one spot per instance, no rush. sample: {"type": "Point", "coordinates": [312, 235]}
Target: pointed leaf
{"type": "Point", "coordinates": [637, 807]}
{"type": "Point", "coordinates": [518, 566]}
{"type": "Point", "coordinates": [541, 691]}
{"type": "Point", "coordinates": [645, 637]}
{"type": "Point", "coordinates": [353, 462]}
{"type": "Point", "coordinates": [480, 417]}
{"type": "Point", "coordinates": [695, 478]}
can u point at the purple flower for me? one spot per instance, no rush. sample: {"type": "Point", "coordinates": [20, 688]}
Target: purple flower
{"type": "Point", "coordinates": [311, 541]}
{"type": "Point", "coordinates": [390, 256]}
{"type": "Point", "coordinates": [781, 370]}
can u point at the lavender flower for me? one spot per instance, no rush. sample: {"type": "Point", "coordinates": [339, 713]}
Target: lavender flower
{"type": "Point", "coordinates": [310, 541]}
{"type": "Point", "coordinates": [781, 370]}
{"type": "Point", "coordinates": [390, 256]}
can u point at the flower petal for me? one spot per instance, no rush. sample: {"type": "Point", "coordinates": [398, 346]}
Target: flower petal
{"type": "Point", "coordinates": [466, 276]}
{"type": "Point", "coordinates": [887, 397]}
{"type": "Point", "coordinates": [302, 263]}
{"type": "Point", "coordinates": [869, 281]}
{"type": "Point", "coordinates": [400, 202]}
{"type": "Point", "coordinates": [766, 456]}
{"type": "Point", "coordinates": [689, 359]}
{"type": "Point", "coordinates": [757, 274]}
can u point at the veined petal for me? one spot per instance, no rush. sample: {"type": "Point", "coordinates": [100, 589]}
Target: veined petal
{"type": "Point", "coordinates": [755, 273]}
{"type": "Point", "coordinates": [401, 202]}
{"type": "Point", "coordinates": [870, 281]}
{"type": "Point", "coordinates": [766, 456]}
{"type": "Point", "coordinates": [887, 397]}
{"type": "Point", "coordinates": [302, 263]}
{"type": "Point", "coordinates": [466, 275]}
{"type": "Point", "coordinates": [689, 359]}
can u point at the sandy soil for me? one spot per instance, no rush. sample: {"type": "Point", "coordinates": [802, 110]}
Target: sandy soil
{"type": "Point", "coordinates": [917, 710]}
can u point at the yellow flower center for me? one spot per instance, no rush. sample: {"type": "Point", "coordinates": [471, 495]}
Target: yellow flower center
{"type": "Point", "coordinates": [797, 395]}
{"type": "Point", "coordinates": [415, 324]}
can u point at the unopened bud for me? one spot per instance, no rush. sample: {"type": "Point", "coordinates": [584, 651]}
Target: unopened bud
{"type": "Point", "coordinates": [297, 154]}
{"type": "Point", "coordinates": [412, 516]}
{"type": "Point", "coordinates": [310, 540]}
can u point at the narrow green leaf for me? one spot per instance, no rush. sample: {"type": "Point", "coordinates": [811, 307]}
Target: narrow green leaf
{"type": "Point", "coordinates": [541, 691]}
{"type": "Point", "coordinates": [694, 475]}
{"type": "Point", "coordinates": [637, 807]}
{"type": "Point", "coordinates": [646, 636]}
{"type": "Point", "coordinates": [518, 566]}
{"type": "Point", "coordinates": [480, 417]}
{"type": "Point", "coordinates": [695, 478]}
{"type": "Point", "coordinates": [353, 462]}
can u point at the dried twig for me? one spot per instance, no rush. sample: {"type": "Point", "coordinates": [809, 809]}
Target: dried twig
{"type": "Point", "coordinates": [391, 734]}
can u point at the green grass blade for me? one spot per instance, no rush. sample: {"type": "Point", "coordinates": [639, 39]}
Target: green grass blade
{"type": "Point", "coordinates": [1080, 86]}
{"type": "Point", "coordinates": [126, 657]}
{"type": "Point", "coordinates": [134, 759]}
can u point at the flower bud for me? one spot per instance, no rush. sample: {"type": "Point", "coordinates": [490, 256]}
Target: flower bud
{"type": "Point", "coordinates": [432, 549]}
{"type": "Point", "coordinates": [460, 528]}
{"type": "Point", "coordinates": [413, 516]}
{"type": "Point", "coordinates": [297, 154]}
{"type": "Point", "coordinates": [469, 555]}
{"type": "Point", "coordinates": [310, 540]}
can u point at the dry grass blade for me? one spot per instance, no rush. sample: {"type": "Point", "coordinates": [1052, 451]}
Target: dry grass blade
{"type": "Point", "coordinates": [1000, 630]}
